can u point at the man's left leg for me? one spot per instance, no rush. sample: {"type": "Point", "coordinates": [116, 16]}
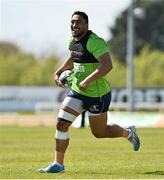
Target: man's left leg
{"type": "Point", "coordinates": [100, 129]}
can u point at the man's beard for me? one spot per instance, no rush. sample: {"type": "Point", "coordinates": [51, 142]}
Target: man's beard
{"type": "Point", "coordinates": [77, 35]}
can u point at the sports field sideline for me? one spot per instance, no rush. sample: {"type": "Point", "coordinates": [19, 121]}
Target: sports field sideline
{"type": "Point", "coordinates": [151, 119]}
{"type": "Point", "coordinates": [27, 119]}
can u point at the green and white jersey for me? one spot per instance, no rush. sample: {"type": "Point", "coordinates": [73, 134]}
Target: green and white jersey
{"type": "Point", "coordinates": [84, 54]}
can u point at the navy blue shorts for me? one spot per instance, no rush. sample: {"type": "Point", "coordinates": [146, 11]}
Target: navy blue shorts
{"type": "Point", "coordinates": [94, 105]}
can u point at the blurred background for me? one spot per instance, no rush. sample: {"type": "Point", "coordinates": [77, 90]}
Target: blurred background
{"type": "Point", "coordinates": [34, 36]}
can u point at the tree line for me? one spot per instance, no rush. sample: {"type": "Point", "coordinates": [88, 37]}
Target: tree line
{"type": "Point", "coordinates": [20, 68]}
{"type": "Point", "coordinates": [148, 70]}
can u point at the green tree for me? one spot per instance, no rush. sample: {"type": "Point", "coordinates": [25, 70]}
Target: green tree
{"type": "Point", "coordinates": [13, 66]}
{"type": "Point", "coordinates": [20, 68]}
{"type": "Point", "coordinates": [149, 29]}
{"type": "Point", "coordinates": [117, 77]}
{"type": "Point", "coordinates": [148, 70]}
{"type": "Point", "coordinates": [149, 66]}
{"type": "Point", "coordinates": [7, 48]}
{"type": "Point", "coordinates": [41, 74]}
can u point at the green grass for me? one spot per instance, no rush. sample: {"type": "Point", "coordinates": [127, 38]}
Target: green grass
{"type": "Point", "coordinates": [25, 149]}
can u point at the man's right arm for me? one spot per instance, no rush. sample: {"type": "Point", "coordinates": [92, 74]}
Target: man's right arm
{"type": "Point", "coordinates": [68, 65]}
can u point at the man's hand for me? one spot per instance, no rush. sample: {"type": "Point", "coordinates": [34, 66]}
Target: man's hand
{"type": "Point", "coordinates": [68, 64]}
{"type": "Point", "coordinates": [56, 79]}
{"type": "Point", "coordinates": [84, 84]}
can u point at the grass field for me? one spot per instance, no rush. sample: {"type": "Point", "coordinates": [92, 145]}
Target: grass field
{"type": "Point", "coordinates": [25, 149]}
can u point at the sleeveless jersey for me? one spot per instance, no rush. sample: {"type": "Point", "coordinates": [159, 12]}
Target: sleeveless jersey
{"type": "Point", "coordinates": [84, 54]}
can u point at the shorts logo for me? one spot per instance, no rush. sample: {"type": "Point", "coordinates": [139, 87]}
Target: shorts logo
{"type": "Point", "coordinates": [94, 108]}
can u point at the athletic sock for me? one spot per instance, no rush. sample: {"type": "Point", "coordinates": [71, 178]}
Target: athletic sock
{"type": "Point", "coordinates": [55, 162]}
{"type": "Point", "coordinates": [130, 134]}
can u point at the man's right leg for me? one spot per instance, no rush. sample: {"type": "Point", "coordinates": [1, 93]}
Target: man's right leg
{"type": "Point", "coordinates": [68, 112]}
{"type": "Point", "coordinates": [65, 118]}
{"type": "Point", "coordinates": [61, 140]}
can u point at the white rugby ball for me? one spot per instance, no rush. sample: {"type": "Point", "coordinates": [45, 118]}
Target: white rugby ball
{"type": "Point", "coordinates": [66, 78]}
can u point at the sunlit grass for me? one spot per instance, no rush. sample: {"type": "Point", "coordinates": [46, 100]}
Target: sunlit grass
{"type": "Point", "coordinates": [25, 149]}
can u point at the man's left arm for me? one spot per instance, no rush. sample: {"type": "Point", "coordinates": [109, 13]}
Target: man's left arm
{"type": "Point", "coordinates": [105, 67]}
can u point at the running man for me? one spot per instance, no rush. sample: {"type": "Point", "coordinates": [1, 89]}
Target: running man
{"type": "Point", "coordinates": [90, 60]}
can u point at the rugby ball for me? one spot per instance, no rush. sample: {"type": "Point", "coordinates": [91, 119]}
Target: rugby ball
{"type": "Point", "coordinates": [66, 78]}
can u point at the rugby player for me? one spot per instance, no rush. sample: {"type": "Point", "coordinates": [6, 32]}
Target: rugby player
{"type": "Point", "coordinates": [90, 91]}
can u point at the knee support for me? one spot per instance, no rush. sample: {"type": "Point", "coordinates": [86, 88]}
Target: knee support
{"type": "Point", "coordinates": [61, 135]}
{"type": "Point", "coordinates": [66, 115]}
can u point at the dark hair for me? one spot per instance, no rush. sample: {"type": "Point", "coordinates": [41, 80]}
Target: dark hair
{"type": "Point", "coordinates": [83, 14]}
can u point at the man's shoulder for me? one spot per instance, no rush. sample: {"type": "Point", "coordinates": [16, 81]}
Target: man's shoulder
{"type": "Point", "coordinates": [97, 45]}
{"type": "Point", "coordinates": [95, 40]}
{"type": "Point", "coordinates": [94, 36]}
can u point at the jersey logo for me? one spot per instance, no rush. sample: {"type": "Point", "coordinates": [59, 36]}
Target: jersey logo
{"type": "Point", "coordinates": [78, 68]}
{"type": "Point", "coordinates": [77, 51]}
{"type": "Point", "coordinates": [76, 54]}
